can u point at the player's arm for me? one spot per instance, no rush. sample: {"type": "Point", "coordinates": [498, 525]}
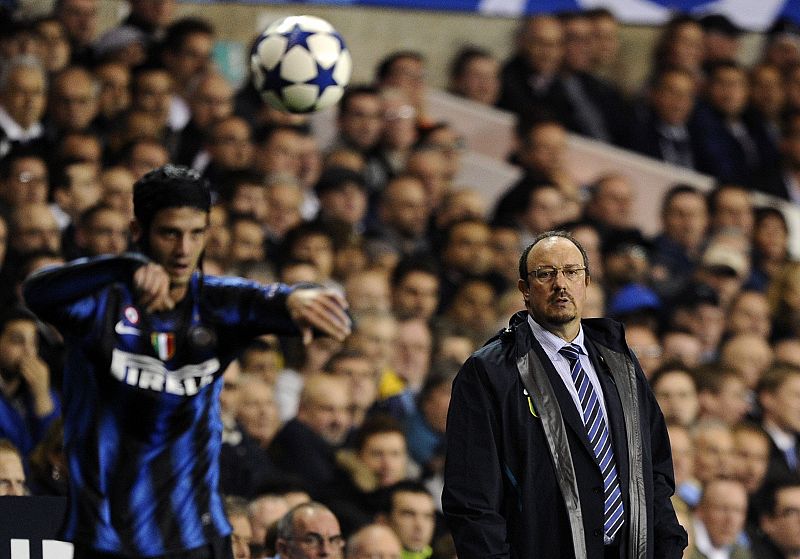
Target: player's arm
{"type": "Point", "coordinates": [256, 309]}
{"type": "Point", "coordinates": [47, 291]}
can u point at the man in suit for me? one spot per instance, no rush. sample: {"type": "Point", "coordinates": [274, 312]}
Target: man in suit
{"type": "Point", "coordinates": [556, 447]}
{"type": "Point", "coordinates": [777, 394]}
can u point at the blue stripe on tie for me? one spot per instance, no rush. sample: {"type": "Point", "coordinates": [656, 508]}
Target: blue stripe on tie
{"type": "Point", "coordinates": [599, 440]}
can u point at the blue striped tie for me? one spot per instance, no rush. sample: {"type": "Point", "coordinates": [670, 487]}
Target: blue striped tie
{"type": "Point", "coordinates": [600, 441]}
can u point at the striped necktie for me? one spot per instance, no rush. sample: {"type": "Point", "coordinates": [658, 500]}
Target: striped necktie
{"type": "Point", "coordinates": [600, 441]}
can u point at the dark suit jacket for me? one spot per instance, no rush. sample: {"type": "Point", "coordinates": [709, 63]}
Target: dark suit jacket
{"type": "Point", "coordinates": [298, 450]}
{"type": "Point", "coordinates": [502, 496]}
{"type": "Point", "coordinates": [778, 468]}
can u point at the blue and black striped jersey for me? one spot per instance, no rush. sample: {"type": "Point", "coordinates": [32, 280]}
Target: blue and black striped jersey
{"type": "Point", "coordinates": [141, 400]}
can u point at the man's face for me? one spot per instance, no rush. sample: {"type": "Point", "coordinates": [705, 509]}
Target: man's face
{"type": "Point", "coordinates": [750, 315]}
{"type": "Point", "coordinates": [24, 96]}
{"type": "Point", "coordinates": [362, 122]}
{"type": "Point", "coordinates": [614, 201]}
{"type": "Point", "coordinates": [84, 190]}
{"type": "Point", "coordinates": [212, 101]}
{"type": "Point", "coordinates": [385, 455]}
{"type": "Point", "coordinates": [241, 536]}
{"type": "Point", "coordinates": [177, 237]}
{"type": "Point", "coordinates": [258, 412]}
{"type": "Point", "coordinates": [545, 148]}
{"type": "Point", "coordinates": [106, 233]}
{"type": "Point", "coordinates": [405, 206]}
{"type": "Point", "coordinates": [412, 518]}
{"type": "Point", "coordinates": [328, 412]}
{"type": "Point", "coordinates": [686, 219]}
{"type": "Point", "coordinates": [282, 153]}
{"type": "Point", "coordinates": [230, 146]}
{"type": "Point", "coordinates": [154, 94]}
{"type": "Point", "coordinates": [80, 20]}
{"type": "Point", "coordinates": [467, 249]}
{"type": "Point", "coordinates": [192, 58]}
{"type": "Point", "coordinates": [558, 302]}
{"type": "Point", "coordinates": [783, 525]}
{"type": "Point", "coordinates": [723, 510]}
{"type": "Point", "coordinates": [154, 12]}
{"type": "Point", "coordinates": [12, 476]}
{"type": "Point", "coordinates": [247, 242]}
{"type": "Point", "coordinates": [347, 203]}
{"type": "Point", "coordinates": [73, 102]}
{"type": "Point", "coordinates": [480, 80]}
{"type": "Point", "coordinates": [674, 97]}
{"type": "Point", "coordinates": [714, 453]}
{"type": "Point", "coordinates": [734, 210]}
{"type": "Point", "coordinates": [542, 44]}
{"type": "Point", "coordinates": [115, 80]}
{"type": "Point", "coordinates": [677, 396]}
{"type": "Point", "coordinates": [783, 406]}
{"type": "Point", "coordinates": [283, 204]}
{"type": "Point", "coordinates": [752, 459]}
{"type": "Point", "coordinates": [146, 156]}
{"type": "Point", "coordinates": [18, 341]}
{"type": "Point", "coordinates": [413, 351]}
{"type": "Point", "coordinates": [416, 296]}
{"type": "Point", "coordinates": [315, 534]}
{"type": "Point", "coordinates": [544, 210]}
{"type": "Point", "coordinates": [27, 183]}
{"type": "Point", "coordinates": [35, 229]}
{"type": "Point", "coordinates": [363, 378]}
{"type": "Point", "coordinates": [728, 91]}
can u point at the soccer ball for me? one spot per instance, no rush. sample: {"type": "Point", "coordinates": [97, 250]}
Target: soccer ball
{"type": "Point", "coordinates": [300, 64]}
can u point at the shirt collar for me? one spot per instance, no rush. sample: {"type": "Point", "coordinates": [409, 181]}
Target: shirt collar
{"type": "Point", "coordinates": [784, 440]}
{"type": "Point", "coordinates": [702, 542]}
{"type": "Point", "coordinates": [14, 131]}
{"type": "Point", "coordinates": [552, 343]}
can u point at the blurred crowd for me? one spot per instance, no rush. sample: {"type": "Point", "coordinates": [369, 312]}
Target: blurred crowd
{"type": "Point", "coordinates": [429, 266]}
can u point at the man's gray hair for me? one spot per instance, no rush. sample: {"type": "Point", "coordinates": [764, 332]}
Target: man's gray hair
{"type": "Point", "coordinates": [285, 527]}
{"type": "Point", "coordinates": [21, 61]}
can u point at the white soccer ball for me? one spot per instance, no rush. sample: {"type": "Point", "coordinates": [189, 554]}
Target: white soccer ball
{"type": "Point", "coordinates": [300, 64]}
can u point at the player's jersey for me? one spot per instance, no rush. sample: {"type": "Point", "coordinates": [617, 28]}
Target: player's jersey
{"type": "Point", "coordinates": [142, 427]}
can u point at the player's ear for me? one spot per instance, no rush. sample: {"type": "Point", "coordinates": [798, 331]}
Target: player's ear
{"type": "Point", "coordinates": [522, 285]}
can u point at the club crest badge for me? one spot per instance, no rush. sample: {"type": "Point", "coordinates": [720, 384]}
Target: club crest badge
{"type": "Point", "coordinates": [132, 315]}
{"type": "Point", "coordinates": [164, 344]}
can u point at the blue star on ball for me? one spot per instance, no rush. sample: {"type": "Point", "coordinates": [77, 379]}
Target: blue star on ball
{"type": "Point", "coordinates": [296, 36]}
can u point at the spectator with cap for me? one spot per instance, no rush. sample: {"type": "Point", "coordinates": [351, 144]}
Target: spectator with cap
{"type": "Point", "coordinates": [124, 45]}
{"type": "Point", "coordinates": [723, 267]}
{"type": "Point", "coordinates": [635, 303]}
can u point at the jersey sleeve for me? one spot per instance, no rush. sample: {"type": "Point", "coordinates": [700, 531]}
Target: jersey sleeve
{"type": "Point", "coordinates": [247, 307]}
{"type": "Point", "coordinates": [63, 295]}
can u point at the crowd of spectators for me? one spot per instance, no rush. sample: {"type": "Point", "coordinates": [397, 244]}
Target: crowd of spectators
{"type": "Point", "coordinates": [353, 432]}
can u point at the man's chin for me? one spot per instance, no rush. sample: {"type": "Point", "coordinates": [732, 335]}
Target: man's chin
{"type": "Point", "coordinates": [561, 318]}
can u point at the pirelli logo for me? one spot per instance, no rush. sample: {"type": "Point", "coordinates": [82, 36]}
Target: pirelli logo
{"type": "Point", "coordinates": [149, 373]}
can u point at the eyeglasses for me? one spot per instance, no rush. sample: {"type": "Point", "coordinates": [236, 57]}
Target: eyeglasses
{"type": "Point", "coordinates": [312, 539]}
{"type": "Point", "coordinates": [547, 274]}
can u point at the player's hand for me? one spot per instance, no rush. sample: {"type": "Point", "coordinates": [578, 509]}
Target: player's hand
{"type": "Point", "coordinates": [151, 282]}
{"type": "Point", "coordinates": [36, 374]}
{"type": "Point", "coordinates": [322, 309]}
